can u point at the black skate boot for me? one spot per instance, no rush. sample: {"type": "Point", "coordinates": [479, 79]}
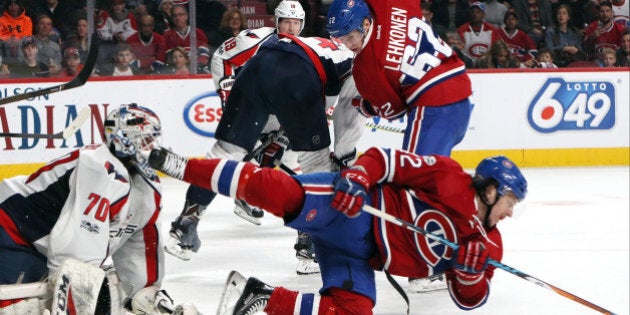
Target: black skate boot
{"type": "Point", "coordinates": [168, 162]}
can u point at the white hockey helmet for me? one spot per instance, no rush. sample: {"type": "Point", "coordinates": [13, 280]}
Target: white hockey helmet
{"type": "Point", "coordinates": [131, 132]}
{"type": "Point", "coordinates": [289, 9]}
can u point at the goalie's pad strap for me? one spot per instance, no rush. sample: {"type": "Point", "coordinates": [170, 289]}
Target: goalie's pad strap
{"type": "Point", "coordinates": [76, 288]}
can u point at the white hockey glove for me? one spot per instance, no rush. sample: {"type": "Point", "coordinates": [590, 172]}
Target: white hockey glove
{"type": "Point", "coordinates": [225, 86]}
{"type": "Point", "coordinates": [153, 301]}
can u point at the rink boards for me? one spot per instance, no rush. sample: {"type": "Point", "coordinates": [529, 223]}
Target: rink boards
{"type": "Point", "coordinates": [542, 118]}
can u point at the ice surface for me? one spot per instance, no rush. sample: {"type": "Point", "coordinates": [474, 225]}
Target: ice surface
{"type": "Point", "coordinates": [574, 234]}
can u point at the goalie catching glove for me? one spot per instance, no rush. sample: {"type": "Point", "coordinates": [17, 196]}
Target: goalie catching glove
{"type": "Point", "coordinates": [351, 186]}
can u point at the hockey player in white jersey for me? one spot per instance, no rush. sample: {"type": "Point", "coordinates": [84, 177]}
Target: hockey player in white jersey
{"type": "Point", "coordinates": [86, 226]}
{"type": "Point", "coordinates": [226, 62]}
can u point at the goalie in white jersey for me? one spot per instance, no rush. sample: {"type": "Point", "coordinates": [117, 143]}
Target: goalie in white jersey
{"type": "Point", "coordinates": [90, 210]}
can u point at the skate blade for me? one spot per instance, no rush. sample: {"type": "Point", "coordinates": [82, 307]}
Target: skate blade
{"type": "Point", "coordinates": [232, 290]}
{"type": "Point", "coordinates": [239, 212]}
{"type": "Point", "coordinates": [307, 267]}
{"type": "Point", "coordinates": [172, 247]}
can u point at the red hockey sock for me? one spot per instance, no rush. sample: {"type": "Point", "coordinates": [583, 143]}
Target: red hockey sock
{"type": "Point", "coordinates": [282, 301]}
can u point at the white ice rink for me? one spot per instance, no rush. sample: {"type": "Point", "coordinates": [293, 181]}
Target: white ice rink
{"type": "Point", "coordinates": [573, 234]}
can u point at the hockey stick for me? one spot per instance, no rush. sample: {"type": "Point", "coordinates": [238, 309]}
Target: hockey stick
{"type": "Point", "coordinates": [77, 81]}
{"type": "Point", "coordinates": [372, 125]}
{"type": "Point", "coordinates": [390, 218]}
{"type": "Point", "coordinates": [72, 128]}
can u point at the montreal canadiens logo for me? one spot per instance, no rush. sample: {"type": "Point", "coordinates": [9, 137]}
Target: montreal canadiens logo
{"type": "Point", "coordinates": [202, 114]}
{"type": "Point", "coordinates": [350, 3]}
{"type": "Point", "coordinates": [436, 223]}
{"type": "Point", "coordinates": [311, 215]}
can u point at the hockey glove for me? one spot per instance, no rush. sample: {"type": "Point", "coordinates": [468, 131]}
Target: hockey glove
{"type": "Point", "coordinates": [183, 234]}
{"type": "Point", "coordinates": [364, 107]}
{"type": "Point", "coordinates": [472, 260]}
{"type": "Point", "coordinates": [225, 86]}
{"type": "Point", "coordinates": [152, 300]}
{"type": "Point", "coordinates": [344, 161]}
{"type": "Point", "coordinates": [351, 186]}
{"type": "Point", "coordinates": [274, 151]}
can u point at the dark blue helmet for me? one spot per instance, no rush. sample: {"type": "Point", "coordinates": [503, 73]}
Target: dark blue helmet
{"type": "Point", "coordinates": [345, 16]}
{"type": "Point", "coordinates": [506, 173]}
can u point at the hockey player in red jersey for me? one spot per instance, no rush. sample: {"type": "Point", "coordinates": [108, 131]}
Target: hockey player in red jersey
{"type": "Point", "coordinates": [432, 191]}
{"type": "Point", "coordinates": [403, 68]}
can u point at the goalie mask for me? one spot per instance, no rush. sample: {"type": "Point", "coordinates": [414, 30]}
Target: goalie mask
{"type": "Point", "coordinates": [131, 131]}
{"type": "Point", "coordinates": [289, 9]}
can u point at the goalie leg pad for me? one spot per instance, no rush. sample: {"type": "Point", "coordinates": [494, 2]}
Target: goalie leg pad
{"type": "Point", "coordinates": [33, 305]}
{"type": "Point", "coordinates": [77, 286]}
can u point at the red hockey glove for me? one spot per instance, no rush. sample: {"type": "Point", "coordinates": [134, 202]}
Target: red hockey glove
{"type": "Point", "coordinates": [472, 259]}
{"type": "Point", "coordinates": [225, 86]}
{"type": "Point", "coordinates": [351, 186]}
{"type": "Point", "coordinates": [274, 151]}
{"type": "Point", "coordinates": [364, 107]}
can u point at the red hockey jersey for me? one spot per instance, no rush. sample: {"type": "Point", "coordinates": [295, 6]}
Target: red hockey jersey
{"type": "Point", "coordinates": [404, 63]}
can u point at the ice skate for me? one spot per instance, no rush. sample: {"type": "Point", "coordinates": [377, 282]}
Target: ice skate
{"type": "Point", "coordinates": [305, 253]}
{"type": "Point", "coordinates": [427, 285]}
{"type": "Point", "coordinates": [243, 296]}
{"type": "Point", "coordinates": [167, 162]}
{"type": "Point", "coordinates": [250, 214]}
{"type": "Point", "coordinates": [184, 240]}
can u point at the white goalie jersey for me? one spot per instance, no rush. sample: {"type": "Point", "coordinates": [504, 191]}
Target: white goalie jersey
{"type": "Point", "coordinates": [87, 206]}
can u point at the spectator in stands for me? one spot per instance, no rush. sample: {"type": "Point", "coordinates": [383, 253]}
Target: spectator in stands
{"type": "Point", "coordinates": [577, 10]}
{"type": "Point", "coordinates": [534, 17]}
{"type": "Point", "coordinates": [209, 15]}
{"type": "Point", "coordinates": [607, 58]}
{"type": "Point", "coordinates": [545, 59]}
{"type": "Point", "coordinates": [497, 57]}
{"type": "Point", "coordinates": [477, 34]}
{"type": "Point", "coordinates": [623, 53]}
{"type": "Point", "coordinates": [455, 41]}
{"type": "Point", "coordinates": [30, 66]}
{"type": "Point", "coordinates": [122, 63]}
{"type": "Point", "coordinates": [48, 43]}
{"type": "Point", "coordinates": [450, 14]}
{"type": "Point", "coordinates": [71, 62]}
{"type": "Point", "coordinates": [621, 12]}
{"type": "Point", "coordinates": [163, 20]}
{"type": "Point", "coordinates": [177, 62]}
{"type": "Point", "coordinates": [563, 39]}
{"type": "Point", "coordinates": [117, 24]}
{"type": "Point", "coordinates": [495, 12]}
{"type": "Point", "coordinates": [14, 25]}
{"type": "Point", "coordinates": [603, 33]}
{"type": "Point", "coordinates": [148, 46]}
{"type": "Point", "coordinates": [232, 23]}
{"type": "Point", "coordinates": [427, 14]}
{"type": "Point", "coordinates": [179, 35]}
{"type": "Point", "coordinates": [62, 14]}
{"type": "Point", "coordinates": [522, 48]}
{"type": "Point", "coordinates": [4, 69]}
{"type": "Point", "coordinates": [79, 38]}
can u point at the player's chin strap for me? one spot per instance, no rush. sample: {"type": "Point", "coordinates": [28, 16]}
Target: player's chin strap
{"type": "Point", "coordinates": [398, 288]}
{"type": "Point", "coordinates": [480, 186]}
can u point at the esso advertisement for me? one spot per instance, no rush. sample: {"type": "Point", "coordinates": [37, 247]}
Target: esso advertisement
{"type": "Point", "coordinates": [561, 105]}
{"type": "Point", "coordinates": [202, 114]}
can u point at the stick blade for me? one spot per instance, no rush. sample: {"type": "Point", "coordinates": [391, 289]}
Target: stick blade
{"type": "Point", "coordinates": [76, 124]}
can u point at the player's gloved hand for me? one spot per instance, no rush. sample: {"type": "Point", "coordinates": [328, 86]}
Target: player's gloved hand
{"type": "Point", "coordinates": [225, 86]}
{"type": "Point", "coordinates": [472, 260]}
{"type": "Point", "coordinates": [152, 300]}
{"type": "Point", "coordinates": [351, 186]}
{"type": "Point", "coordinates": [364, 107]}
{"type": "Point", "coordinates": [344, 161]}
{"type": "Point", "coordinates": [183, 239]}
{"type": "Point", "coordinates": [274, 151]}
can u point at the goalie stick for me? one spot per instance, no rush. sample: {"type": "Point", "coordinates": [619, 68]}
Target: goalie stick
{"type": "Point", "coordinates": [402, 223]}
{"type": "Point", "coordinates": [72, 128]}
{"type": "Point", "coordinates": [77, 81]}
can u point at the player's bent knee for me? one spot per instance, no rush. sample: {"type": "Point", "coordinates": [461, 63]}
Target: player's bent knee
{"type": "Point", "coordinates": [275, 192]}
